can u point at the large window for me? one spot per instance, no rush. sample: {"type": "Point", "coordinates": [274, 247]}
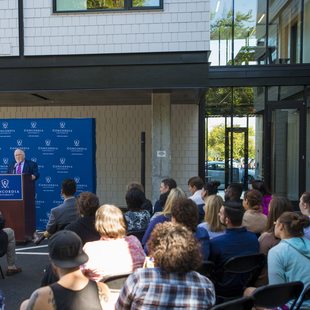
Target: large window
{"type": "Point", "coordinates": [259, 32]}
{"type": "Point", "coordinates": [94, 5]}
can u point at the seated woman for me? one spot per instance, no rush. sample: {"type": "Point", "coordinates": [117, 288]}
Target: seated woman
{"type": "Point", "coordinates": [164, 216]}
{"type": "Point", "coordinates": [267, 240]}
{"type": "Point", "coordinates": [115, 252]}
{"type": "Point", "coordinates": [172, 283]}
{"type": "Point", "coordinates": [136, 217]}
{"type": "Point", "coordinates": [212, 222]}
{"type": "Point", "coordinates": [304, 206]}
{"type": "Point", "coordinates": [262, 188]}
{"type": "Point", "coordinates": [290, 260]}
{"type": "Point", "coordinates": [185, 212]}
{"type": "Point", "coordinates": [253, 219]}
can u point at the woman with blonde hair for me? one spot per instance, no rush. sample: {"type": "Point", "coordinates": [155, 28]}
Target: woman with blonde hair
{"type": "Point", "coordinates": [115, 252]}
{"type": "Point", "coordinates": [164, 216]}
{"type": "Point", "coordinates": [212, 224]}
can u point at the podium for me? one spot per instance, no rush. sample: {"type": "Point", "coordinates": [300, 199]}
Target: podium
{"type": "Point", "coordinates": [17, 204]}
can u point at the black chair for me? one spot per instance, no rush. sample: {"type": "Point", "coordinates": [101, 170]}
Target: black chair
{"type": "Point", "coordinates": [206, 268]}
{"type": "Point", "coordinates": [304, 296]}
{"type": "Point", "coordinates": [116, 282]}
{"type": "Point", "coordinates": [138, 233]}
{"type": "Point", "coordinates": [244, 303]}
{"type": "Point", "coordinates": [277, 295]}
{"type": "Point", "coordinates": [238, 273]}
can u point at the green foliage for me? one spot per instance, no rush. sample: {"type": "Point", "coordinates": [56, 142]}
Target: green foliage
{"type": "Point", "coordinates": [216, 144]}
{"type": "Point", "coordinates": [222, 27]}
{"type": "Point", "coordinates": [105, 4]}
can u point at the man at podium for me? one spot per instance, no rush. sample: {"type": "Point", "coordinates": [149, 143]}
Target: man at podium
{"type": "Point", "coordinates": [23, 165]}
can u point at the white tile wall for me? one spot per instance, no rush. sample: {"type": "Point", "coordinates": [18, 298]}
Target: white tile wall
{"type": "Point", "coordinates": [181, 26]}
{"type": "Point", "coordinates": [8, 28]}
{"type": "Point", "coordinates": [118, 131]}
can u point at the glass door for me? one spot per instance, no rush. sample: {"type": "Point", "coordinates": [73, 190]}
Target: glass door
{"type": "Point", "coordinates": [287, 132]}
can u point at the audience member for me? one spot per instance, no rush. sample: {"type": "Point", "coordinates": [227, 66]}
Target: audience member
{"type": "Point", "coordinates": [289, 260]}
{"type": "Point", "coordinates": [185, 212]}
{"type": "Point", "coordinates": [212, 222]}
{"type": "Point", "coordinates": [166, 185]}
{"type": "Point", "coordinates": [147, 205]}
{"type": "Point", "coordinates": [84, 226]}
{"type": "Point", "coordinates": [261, 186]}
{"type": "Point", "coordinates": [277, 206]}
{"type": "Point", "coordinates": [164, 216]}
{"type": "Point", "coordinates": [233, 192]}
{"type": "Point", "coordinates": [73, 290]}
{"type": "Point", "coordinates": [172, 283]}
{"type": "Point", "coordinates": [115, 252]}
{"type": "Point", "coordinates": [7, 246]}
{"type": "Point", "coordinates": [267, 240]}
{"type": "Point", "coordinates": [235, 242]}
{"type": "Point", "coordinates": [210, 188]}
{"type": "Point", "coordinates": [253, 219]}
{"type": "Point", "coordinates": [136, 217]}
{"type": "Point", "coordinates": [304, 206]}
{"type": "Point", "coordinates": [62, 215]}
{"type": "Point", "coordinates": [195, 185]}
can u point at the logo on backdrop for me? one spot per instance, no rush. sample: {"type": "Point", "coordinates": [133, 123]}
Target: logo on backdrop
{"type": "Point", "coordinates": [5, 125]}
{"type": "Point", "coordinates": [62, 125]}
{"type": "Point", "coordinates": [48, 149]}
{"type": "Point", "coordinates": [48, 142]}
{"type": "Point", "coordinates": [62, 131]}
{"type": "Point", "coordinates": [5, 183]}
{"type": "Point", "coordinates": [19, 142]}
{"type": "Point", "coordinates": [76, 149]}
{"type": "Point", "coordinates": [5, 132]}
{"type": "Point", "coordinates": [5, 160]}
{"type": "Point", "coordinates": [33, 124]}
{"type": "Point", "coordinates": [34, 159]}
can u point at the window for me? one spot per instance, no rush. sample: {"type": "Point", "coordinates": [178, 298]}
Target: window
{"type": "Point", "coordinates": [95, 5]}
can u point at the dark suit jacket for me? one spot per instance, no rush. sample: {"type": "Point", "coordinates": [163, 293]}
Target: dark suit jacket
{"type": "Point", "coordinates": [62, 215]}
{"type": "Point", "coordinates": [30, 167]}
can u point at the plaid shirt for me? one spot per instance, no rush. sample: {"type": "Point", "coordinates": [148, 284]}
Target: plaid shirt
{"type": "Point", "coordinates": [152, 288]}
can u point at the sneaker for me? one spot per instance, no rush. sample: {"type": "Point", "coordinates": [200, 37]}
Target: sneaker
{"type": "Point", "coordinates": [12, 272]}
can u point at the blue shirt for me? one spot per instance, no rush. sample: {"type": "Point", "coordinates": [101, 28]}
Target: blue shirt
{"type": "Point", "coordinates": [235, 242]}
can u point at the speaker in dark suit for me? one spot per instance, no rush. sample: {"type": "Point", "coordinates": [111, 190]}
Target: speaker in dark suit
{"type": "Point", "coordinates": [23, 166]}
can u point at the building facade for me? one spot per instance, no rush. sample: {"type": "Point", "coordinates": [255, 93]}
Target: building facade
{"type": "Point", "coordinates": [135, 66]}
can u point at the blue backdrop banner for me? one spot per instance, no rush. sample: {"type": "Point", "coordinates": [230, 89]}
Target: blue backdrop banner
{"type": "Point", "coordinates": [62, 148]}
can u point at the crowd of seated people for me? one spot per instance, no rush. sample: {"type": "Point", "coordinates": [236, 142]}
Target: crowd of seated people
{"type": "Point", "coordinates": [175, 244]}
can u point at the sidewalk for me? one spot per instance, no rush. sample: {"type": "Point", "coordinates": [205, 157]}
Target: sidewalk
{"type": "Point", "coordinates": [32, 259]}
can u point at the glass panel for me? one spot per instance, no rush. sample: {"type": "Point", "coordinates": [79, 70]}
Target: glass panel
{"type": "Point", "coordinates": [146, 3]}
{"type": "Point", "coordinates": [245, 32]}
{"type": "Point", "coordinates": [260, 50]}
{"type": "Point", "coordinates": [221, 25]}
{"type": "Point", "coordinates": [285, 153]}
{"type": "Point", "coordinates": [105, 4]}
{"type": "Point", "coordinates": [81, 5]}
{"type": "Point", "coordinates": [284, 33]}
{"type": "Point", "coordinates": [306, 33]}
{"type": "Point", "coordinates": [286, 93]}
{"type": "Point", "coordinates": [71, 5]}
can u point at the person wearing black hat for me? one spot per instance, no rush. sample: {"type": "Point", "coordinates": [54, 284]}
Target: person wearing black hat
{"type": "Point", "coordinates": [73, 290]}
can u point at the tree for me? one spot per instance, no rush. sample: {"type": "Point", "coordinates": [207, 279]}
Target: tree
{"type": "Point", "coordinates": [216, 144]}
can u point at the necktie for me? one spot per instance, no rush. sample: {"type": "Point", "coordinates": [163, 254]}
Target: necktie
{"type": "Point", "coordinates": [19, 169]}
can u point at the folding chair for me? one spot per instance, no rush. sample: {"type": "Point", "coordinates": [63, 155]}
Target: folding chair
{"type": "Point", "coordinates": [117, 281]}
{"type": "Point", "coordinates": [305, 295]}
{"type": "Point", "coordinates": [206, 268]}
{"type": "Point", "coordinates": [277, 295]}
{"type": "Point", "coordinates": [239, 272]}
{"type": "Point", "coordinates": [244, 303]}
{"type": "Point", "coordinates": [138, 233]}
